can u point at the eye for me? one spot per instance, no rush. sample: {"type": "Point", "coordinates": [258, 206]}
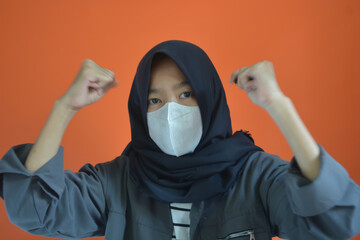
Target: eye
{"type": "Point", "coordinates": [186, 94]}
{"type": "Point", "coordinates": [153, 101]}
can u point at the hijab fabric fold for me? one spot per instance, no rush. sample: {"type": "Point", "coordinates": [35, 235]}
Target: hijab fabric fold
{"type": "Point", "coordinates": [218, 160]}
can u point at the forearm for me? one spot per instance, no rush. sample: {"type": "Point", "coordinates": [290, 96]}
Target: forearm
{"type": "Point", "coordinates": [48, 142]}
{"type": "Point", "coordinates": [304, 147]}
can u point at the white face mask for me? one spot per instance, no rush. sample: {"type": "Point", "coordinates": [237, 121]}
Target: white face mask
{"type": "Point", "coordinates": [176, 129]}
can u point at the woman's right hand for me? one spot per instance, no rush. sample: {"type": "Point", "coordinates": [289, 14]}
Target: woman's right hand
{"type": "Point", "coordinates": [91, 83]}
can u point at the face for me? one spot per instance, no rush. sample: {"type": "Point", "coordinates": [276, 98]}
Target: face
{"type": "Point", "coordinates": [168, 84]}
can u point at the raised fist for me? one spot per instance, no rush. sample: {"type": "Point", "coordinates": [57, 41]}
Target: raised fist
{"type": "Point", "coordinates": [91, 83]}
{"type": "Point", "coordinates": [259, 82]}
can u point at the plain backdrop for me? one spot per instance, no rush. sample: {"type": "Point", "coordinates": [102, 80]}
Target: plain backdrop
{"type": "Point", "coordinates": [313, 44]}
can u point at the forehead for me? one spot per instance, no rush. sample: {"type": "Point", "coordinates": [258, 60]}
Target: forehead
{"type": "Point", "coordinates": [165, 71]}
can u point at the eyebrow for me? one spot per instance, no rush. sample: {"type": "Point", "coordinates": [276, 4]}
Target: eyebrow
{"type": "Point", "coordinates": [182, 84]}
{"type": "Point", "coordinates": [177, 86]}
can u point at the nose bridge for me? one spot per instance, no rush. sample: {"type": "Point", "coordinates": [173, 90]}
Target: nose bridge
{"type": "Point", "coordinates": [171, 96]}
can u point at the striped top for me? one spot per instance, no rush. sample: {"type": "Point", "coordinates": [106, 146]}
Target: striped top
{"type": "Point", "coordinates": [180, 213]}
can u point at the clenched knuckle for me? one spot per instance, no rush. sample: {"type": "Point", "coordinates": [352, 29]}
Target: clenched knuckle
{"type": "Point", "coordinates": [267, 62]}
{"type": "Point", "coordinates": [109, 79]}
{"type": "Point", "coordinates": [88, 63]}
{"type": "Point", "coordinates": [110, 73]}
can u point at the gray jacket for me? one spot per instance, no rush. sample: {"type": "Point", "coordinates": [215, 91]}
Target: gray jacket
{"type": "Point", "coordinates": [271, 198]}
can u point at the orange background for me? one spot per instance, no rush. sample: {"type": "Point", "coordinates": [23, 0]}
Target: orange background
{"type": "Point", "coordinates": [314, 45]}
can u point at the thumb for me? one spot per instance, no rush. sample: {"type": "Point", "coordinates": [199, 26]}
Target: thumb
{"type": "Point", "coordinates": [114, 83]}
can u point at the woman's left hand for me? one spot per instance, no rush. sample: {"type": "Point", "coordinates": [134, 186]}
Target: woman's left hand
{"type": "Point", "coordinates": [259, 82]}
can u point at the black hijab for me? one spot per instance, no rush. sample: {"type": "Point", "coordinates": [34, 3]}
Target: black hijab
{"type": "Point", "coordinates": [216, 163]}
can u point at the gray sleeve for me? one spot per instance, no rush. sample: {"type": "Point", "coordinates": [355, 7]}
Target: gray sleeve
{"type": "Point", "coordinates": [52, 202]}
{"type": "Point", "coordinates": [327, 208]}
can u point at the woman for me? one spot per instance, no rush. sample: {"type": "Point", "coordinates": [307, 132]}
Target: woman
{"type": "Point", "coordinates": [183, 155]}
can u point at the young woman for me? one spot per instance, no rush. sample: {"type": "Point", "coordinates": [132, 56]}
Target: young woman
{"type": "Point", "coordinates": [185, 174]}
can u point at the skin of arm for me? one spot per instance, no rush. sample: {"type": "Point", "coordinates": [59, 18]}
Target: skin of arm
{"type": "Point", "coordinates": [260, 84]}
{"type": "Point", "coordinates": [91, 83]}
{"type": "Point", "coordinates": [304, 147]}
{"type": "Point", "coordinates": [49, 139]}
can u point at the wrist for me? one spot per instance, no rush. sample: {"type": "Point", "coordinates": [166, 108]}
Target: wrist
{"type": "Point", "coordinates": [278, 104]}
{"type": "Point", "coordinates": [62, 109]}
